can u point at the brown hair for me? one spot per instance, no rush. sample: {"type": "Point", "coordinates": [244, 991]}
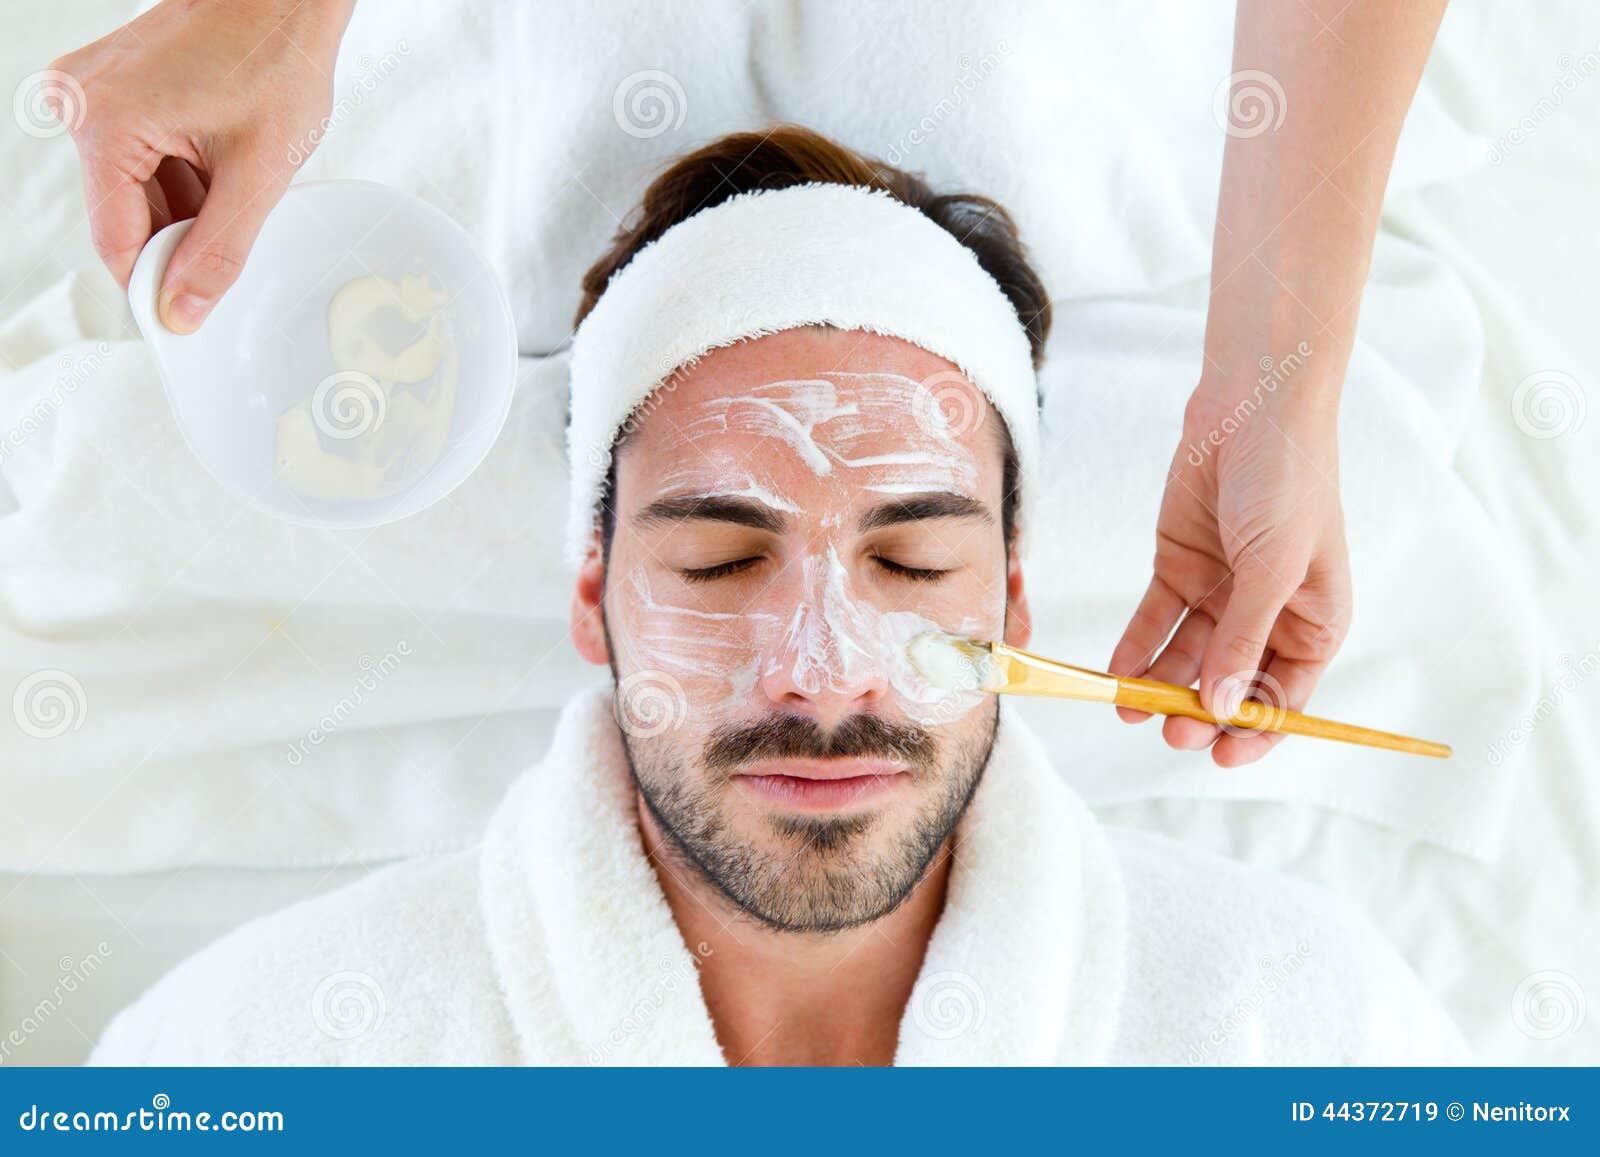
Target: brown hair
{"type": "Point", "coordinates": [787, 155]}
{"type": "Point", "coordinates": [793, 155]}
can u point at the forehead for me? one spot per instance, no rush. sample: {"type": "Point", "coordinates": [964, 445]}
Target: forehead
{"type": "Point", "coordinates": [840, 405]}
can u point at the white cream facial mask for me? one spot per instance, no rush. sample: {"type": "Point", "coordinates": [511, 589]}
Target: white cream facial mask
{"type": "Point", "coordinates": [810, 625]}
{"type": "Point", "coordinates": [825, 420]}
{"type": "Point", "coordinates": [830, 641]}
{"type": "Point", "coordinates": [380, 422]}
{"type": "Point", "coordinates": [952, 665]}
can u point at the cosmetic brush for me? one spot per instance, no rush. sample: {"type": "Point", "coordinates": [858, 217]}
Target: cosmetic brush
{"type": "Point", "coordinates": [956, 664]}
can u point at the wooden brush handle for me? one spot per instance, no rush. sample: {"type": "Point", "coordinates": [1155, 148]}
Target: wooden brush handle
{"type": "Point", "coordinates": [1168, 699]}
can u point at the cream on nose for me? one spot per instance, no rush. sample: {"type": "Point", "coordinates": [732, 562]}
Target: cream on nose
{"type": "Point", "coordinates": [831, 648]}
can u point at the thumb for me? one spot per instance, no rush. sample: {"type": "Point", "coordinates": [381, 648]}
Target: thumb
{"type": "Point", "coordinates": [212, 254]}
{"type": "Point", "coordinates": [1233, 655]}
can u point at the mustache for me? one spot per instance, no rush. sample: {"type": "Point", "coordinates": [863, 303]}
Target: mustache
{"type": "Point", "coordinates": [796, 737]}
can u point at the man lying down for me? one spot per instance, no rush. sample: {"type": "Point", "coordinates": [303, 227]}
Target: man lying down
{"type": "Point", "coordinates": [804, 429]}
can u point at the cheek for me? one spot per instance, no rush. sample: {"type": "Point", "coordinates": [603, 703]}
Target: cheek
{"type": "Point", "coordinates": [711, 660]}
{"type": "Point", "coordinates": [921, 701]}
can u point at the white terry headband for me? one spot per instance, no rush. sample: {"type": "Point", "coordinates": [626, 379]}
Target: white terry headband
{"type": "Point", "coordinates": [773, 260]}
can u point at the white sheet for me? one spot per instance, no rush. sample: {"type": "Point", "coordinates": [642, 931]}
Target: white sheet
{"type": "Point", "coordinates": [201, 667]}
{"type": "Point", "coordinates": [339, 687]}
{"type": "Point", "coordinates": [116, 527]}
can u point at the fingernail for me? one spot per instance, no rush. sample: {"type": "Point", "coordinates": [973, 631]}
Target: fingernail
{"type": "Point", "coordinates": [182, 313]}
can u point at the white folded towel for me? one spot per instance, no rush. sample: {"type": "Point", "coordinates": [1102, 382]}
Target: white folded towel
{"type": "Point", "coordinates": [1062, 942]}
{"type": "Point", "coordinates": [779, 259]}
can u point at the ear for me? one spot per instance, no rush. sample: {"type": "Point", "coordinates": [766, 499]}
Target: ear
{"type": "Point", "coordinates": [1019, 619]}
{"type": "Point", "coordinates": [587, 629]}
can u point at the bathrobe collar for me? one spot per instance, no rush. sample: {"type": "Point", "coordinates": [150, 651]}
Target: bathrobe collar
{"type": "Point", "coordinates": [1024, 967]}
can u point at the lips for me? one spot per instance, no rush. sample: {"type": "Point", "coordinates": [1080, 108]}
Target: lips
{"type": "Point", "coordinates": [818, 769]}
{"type": "Point", "coordinates": [825, 784]}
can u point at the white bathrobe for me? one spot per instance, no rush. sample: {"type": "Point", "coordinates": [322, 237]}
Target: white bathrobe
{"type": "Point", "coordinates": [551, 943]}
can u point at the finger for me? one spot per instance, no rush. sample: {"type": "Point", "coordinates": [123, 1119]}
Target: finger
{"type": "Point", "coordinates": [1233, 656]}
{"type": "Point", "coordinates": [160, 210]}
{"type": "Point", "coordinates": [119, 216]}
{"type": "Point", "coordinates": [1241, 745]}
{"type": "Point", "coordinates": [1237, 750]}
{"type": "Point", "coordinates": [181, 187]}
{"type": "Point", "coordinates": [1285, 684]}
{"type": "Point", "coordinates": [211, 255]}
{"type": "Point", "coordinates": [1179, 663]}
{"type": "Point", "coordinates": [1188, 734]}
{"type": "Point", "coordinates": [1157, 613]}
{"type": "Point", "coordinates": [1152, 622]}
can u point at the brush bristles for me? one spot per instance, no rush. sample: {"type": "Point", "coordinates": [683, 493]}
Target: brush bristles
{"type": "Point", "coordinates": [952, 663]}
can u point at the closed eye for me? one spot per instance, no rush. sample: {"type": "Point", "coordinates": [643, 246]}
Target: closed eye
{"type": "Point", "coordinates": [721, 570]}
{"type": "Point", "coordinates": [913, 573]}
{"type": "Point", "coordinates": [725, 569]}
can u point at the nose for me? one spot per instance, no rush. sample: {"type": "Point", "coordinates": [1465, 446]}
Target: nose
{"type": "Point", "coordinates": [828, 661]}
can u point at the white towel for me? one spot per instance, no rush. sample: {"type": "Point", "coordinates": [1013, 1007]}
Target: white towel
{"type": "Point", "coordinates": [569, 108]}
{"type": "Point", "coordinates": [202, 647]}
{"type": "Point", "coordinates": [1061, 942]}
{"type": "Point", "coordinates": [778, 259]}
{"type": "Point", "coordinates": [198, 647]}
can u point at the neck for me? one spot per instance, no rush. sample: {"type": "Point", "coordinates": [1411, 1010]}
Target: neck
{"type": "Point", "coordinates": [799, 998]}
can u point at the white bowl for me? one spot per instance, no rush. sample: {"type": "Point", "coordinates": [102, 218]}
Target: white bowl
{"type": "Point", "coordinates": [265, 350]}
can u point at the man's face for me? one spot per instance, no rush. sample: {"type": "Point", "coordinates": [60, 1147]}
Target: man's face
{"type": "Point", "coordinates": [790, 512]}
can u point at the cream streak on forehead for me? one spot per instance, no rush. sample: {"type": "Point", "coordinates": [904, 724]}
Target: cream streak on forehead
{"type": "Point", "coordinates": [878, 426]}
{"type": "Point", "coordinates": [727, 485]}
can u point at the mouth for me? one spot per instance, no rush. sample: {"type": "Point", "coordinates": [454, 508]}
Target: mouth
{"type": "Point", "coordinates": [822, 784]}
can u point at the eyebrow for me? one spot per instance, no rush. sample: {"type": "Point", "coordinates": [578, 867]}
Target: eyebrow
{"type": "Point", "coordinates": [921, 507]}
{"type": "Point", "coordinates": [759, 516]}
{"type": "Point", "coordinates": [713, 508]}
